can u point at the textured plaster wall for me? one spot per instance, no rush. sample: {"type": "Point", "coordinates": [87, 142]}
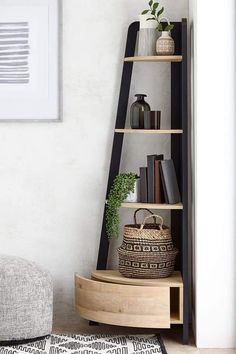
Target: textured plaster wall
{"type": "Point", "coordinates": [53, 175]}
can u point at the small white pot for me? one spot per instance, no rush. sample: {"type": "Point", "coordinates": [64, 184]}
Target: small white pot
{"type": "Point", "coordinates": [165, 44]}
{"type": "Point", "coordinates": [133, 197]}
{"type": "Point", "coordinates": [146, 24]}
{"type": "Point", "coordinates": [147, 36]}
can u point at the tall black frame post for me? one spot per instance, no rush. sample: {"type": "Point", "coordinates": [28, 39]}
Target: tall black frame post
{"type": "Point", "coordinates": [179, 153]}
{"type": "Point", "coordinates": [118, 138]}
{"type": "Point", "coordinates": [176, 123]}
{"type": "Point", "coordinates": [185, 167]}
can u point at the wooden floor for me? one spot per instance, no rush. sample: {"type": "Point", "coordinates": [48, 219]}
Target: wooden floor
{"type": "Point", "coordinates": [172, 339]}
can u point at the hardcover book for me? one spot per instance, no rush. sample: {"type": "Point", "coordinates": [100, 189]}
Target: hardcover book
{"type": "Point", "coordinates": [151, 176]}
{"type": "Point", "coordinates": [143, 185]}
{"type": "Point", "coordinates": [169, 181]}
{"type": "Point", "coordinates": [158, 183]}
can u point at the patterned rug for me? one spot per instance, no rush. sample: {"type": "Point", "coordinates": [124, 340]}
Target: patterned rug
{"type": "Point", "coordinates": [90, 344]}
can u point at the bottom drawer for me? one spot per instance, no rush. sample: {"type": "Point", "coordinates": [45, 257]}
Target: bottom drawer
{"type": "Point", "coordinates": [123, 305]}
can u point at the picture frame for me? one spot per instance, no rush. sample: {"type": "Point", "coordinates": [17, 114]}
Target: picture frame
{"type": "Point", "coordinates": [30, 61]}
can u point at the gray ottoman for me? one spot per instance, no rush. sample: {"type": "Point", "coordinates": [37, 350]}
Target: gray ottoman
{"type": "Point", "coordinates": [26, 296]}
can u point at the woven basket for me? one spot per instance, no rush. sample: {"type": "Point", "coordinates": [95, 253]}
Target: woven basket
{"type": "Point", "coordinates": [147, 250]}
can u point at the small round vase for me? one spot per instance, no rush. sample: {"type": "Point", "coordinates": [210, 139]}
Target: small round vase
{"type": "Point", "coordinates": [165, 44]}
{"type": "Point", "coordinates": [137, 110]}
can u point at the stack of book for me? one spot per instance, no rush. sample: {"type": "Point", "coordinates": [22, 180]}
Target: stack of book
{"type": "Point", "coordinates": [158, 181]}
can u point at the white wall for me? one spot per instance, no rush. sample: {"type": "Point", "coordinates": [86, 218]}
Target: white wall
{"type": "Point", "coordinates": [53, 176]}
{"type": "Point", "coordinates": [215, 241]}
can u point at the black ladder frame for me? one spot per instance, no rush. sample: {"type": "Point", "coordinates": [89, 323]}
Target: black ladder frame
{"type": "Point", "coordinates": [179, 151]}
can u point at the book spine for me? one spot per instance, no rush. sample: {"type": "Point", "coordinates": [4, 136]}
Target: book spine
{"type": "Point", "coordinates": [143, 185]}
{"type": "Point", "coordinates": [151, 178]}
{"type": "Point", "coordinates": [164, 185]}
{"type": "Point", "coordinates": [170, 181]}
{"type": "Point", "coordinates": [158, 183]}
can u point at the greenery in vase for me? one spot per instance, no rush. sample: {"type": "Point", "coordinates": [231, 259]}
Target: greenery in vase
{"type": "Point", "coordinates": [155, 13]}
{"type": "Point", "coordinates": [123, 184]}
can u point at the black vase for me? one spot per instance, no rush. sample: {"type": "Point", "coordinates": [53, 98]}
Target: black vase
{"type": "Point", "coordinates": [137, 112]}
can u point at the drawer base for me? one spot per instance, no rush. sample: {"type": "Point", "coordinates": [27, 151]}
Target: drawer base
{"type": "Point", "coordinates": [157, 305]}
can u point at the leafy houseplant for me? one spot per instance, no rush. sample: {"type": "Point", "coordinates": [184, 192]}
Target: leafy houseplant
{"type": "Point", "coordinates": [165, 44]}
{"type": "Point", "coordinates": [123, 184]}
{"type": "Point", "coordinates": [155, 13]}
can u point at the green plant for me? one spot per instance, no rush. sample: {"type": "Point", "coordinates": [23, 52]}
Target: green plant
{"type": "Point", "coordinates": [156, 12]}
{"type": "Point", "coordinates": [123, 184]}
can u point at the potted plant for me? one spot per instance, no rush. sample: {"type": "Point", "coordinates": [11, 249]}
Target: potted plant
{"type": "Point", "coordinates": [165, 44]}
{"type": "Point", "coordinates": [147, 36]}
{"type": "Point", "coordinates": [123, 184]}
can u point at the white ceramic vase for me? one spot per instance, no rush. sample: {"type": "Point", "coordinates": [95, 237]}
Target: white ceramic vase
{"type": "Point", "coordinates": [133, 197]}
{"type": "Point", "coordinates": [147, 36]}
{"type": "Point", "coordinates": [165, 44]}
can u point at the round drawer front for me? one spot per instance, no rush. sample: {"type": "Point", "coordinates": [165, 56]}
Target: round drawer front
{"type": "Point", "coordinates": [123, 305]}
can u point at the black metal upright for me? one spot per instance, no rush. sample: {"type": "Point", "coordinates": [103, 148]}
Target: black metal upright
{"type": "Point", "coordinates": [118, 138]}
{"type": "Point", "coordinates": [185, 159]}
{"type": "Point", "coordinates": [179, 151]}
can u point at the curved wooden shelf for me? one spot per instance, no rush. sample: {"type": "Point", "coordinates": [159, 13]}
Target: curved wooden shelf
{"type": "Point", "coordinates": [114, 276]}
{"type": "Point", "coordinates": [146, 303]}
{"type": "Point", "coordinates": [178, 206]}
{"type": "Point", "coordinates": [123, 305]}
{"type": "Point", "coordinates": [155, 58]}
{"type": "Point", "coordinates": [149, 131]}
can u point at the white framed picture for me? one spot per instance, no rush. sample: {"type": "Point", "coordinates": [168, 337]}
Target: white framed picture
{"type": "Point", "coordinates": [30, 60]}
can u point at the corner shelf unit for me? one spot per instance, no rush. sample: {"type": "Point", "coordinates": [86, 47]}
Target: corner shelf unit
{"type": "Point", "coordinates": [176, 312]}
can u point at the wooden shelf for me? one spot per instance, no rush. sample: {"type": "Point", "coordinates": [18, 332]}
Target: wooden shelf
{"type": "Point", "coordinates": [114, 276]}
{"type": "Point", "coordinates": [149, 131]}
{"type": "Point", "coordinates": [156, 58]}
{"type": "Point", "coordinates": [178, 206]}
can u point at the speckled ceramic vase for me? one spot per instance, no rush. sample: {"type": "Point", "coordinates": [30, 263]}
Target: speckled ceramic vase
{"type": "Point", "coordinates": [165, 44]}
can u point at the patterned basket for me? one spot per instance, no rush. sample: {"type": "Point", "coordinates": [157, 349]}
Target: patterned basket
{"type": "Point", "coordinates": [147, 250]}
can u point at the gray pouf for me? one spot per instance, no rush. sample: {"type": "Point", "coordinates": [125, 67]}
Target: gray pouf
{"type": "Point", "coordinates": [26, 298]}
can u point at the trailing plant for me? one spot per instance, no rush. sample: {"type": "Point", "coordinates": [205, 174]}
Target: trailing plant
{"type": "Point", "coordinates": [123, 184]}
{"type": "Point", "coordinates": [155, 12]}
